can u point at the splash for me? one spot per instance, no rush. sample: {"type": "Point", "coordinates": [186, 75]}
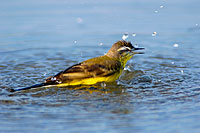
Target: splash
{"type": "Point", "coordinates": [176, 45]}
{"type": "Point", "coordinates": [154, 33]}
{"type": "Point", "coordinates": [100, 44]}
{"type": "Point", "coordinates": [125, 36]}
{"type": "Point", "coordinates": [79, 20]}
{"type": "Point", "coordinates": [134, 34]}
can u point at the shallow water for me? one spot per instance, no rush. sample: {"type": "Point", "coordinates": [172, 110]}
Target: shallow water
{"type": "Point", "coordinates": [158, 91]}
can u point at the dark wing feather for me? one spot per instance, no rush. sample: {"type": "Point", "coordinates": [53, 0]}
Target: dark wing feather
{"type": "Point", "coordinates": [96, 67]}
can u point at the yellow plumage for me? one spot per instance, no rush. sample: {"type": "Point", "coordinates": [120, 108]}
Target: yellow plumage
{"type": "Point", "coordinates": [99, 69]}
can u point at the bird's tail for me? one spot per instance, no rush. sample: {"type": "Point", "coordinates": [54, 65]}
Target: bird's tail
{"type": "Point", "coordinates": [33, 86]}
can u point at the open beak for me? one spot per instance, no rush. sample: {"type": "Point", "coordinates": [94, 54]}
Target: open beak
{"type": "Point", "coordinates": [134, 51]}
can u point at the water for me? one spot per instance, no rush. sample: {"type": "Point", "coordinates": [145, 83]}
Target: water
{"type": "Point", "coordinates": [158, 91]}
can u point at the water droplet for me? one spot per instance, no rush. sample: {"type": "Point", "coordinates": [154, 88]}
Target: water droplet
{"type": "Point", "coordinates": [75, 42]}
{"type": "Point", "coordinates": [45, 74]}
{"type": "Point", "coordinates": [197, 24]}
{"type": "Point", "coordinates": [156, 11]}
{"type": "Point", "coordinates": [176, 45]}
{"type": "Point", "coordinates": [182, 71]}
{"type": "Point", "coordinates": [79, 20]}
{"type": "Point", "coordinates": [125, 36]}
{"type": "Point", "coordinates": [101, 44]}
{"type": "Point", "coordinates": [103, 84]}
{"type": "Point", "coordinates": [105, 53]}
{"type": "Point", "coordinates": [172, 62]}
{"type": "Point", "coordinates": [161, 6]}
{"type": "Point", "coordinates": [134, 34]}
{"type": "Point", "coordinates": [118, 82]}
{"type": "Point", "coordinates": [127, 68]}
{"type": "Point", "coordinates": [154, 34]}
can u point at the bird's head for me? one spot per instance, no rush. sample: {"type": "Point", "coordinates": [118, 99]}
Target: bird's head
{"type": "Point", "coordinates": [123, 51]}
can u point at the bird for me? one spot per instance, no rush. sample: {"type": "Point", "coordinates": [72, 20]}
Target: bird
{"type": "Point", "coordinates": [106, 68]}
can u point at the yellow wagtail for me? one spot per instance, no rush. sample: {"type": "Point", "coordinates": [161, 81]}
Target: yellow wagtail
{"type": "Point", "coordinates": [106, 68]}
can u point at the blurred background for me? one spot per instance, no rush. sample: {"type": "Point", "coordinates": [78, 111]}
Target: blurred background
{"type": "Point", "coordinates": [158, 91]}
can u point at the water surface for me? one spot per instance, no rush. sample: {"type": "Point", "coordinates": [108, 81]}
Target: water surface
{"type": "Point", "coordinates": [158, 91]}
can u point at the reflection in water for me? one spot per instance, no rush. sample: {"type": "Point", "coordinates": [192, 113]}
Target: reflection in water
{"type": "Point", "coordinates": [95, 94]}
{"type": "Point", "coordinates": [97, 103]}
